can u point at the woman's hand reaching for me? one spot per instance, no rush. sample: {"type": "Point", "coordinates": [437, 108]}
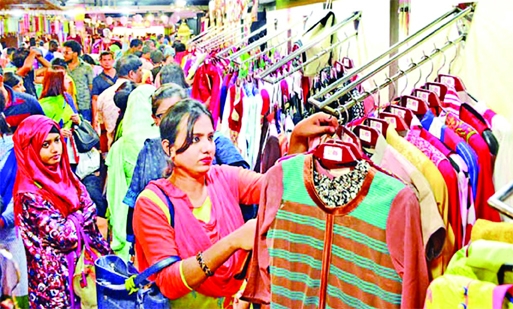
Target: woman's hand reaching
{"type": "Point", "coordinates": [244, 237]}
{"type": "Point", "coordinates": [75, 118]}
{"type": "Point", "coordinates": [309, 128]}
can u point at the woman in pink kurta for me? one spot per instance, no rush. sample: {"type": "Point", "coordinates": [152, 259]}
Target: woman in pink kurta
{"type": "Point", "coordinates": [207, 230]}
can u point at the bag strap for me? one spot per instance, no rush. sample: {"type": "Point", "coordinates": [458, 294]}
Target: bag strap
{"type": "Point", "coordinates": [155, 268]}
{"type": "Point", "coordinates": [499, 293]}
{"type": "Point", "coordinates": [109, 81]}
{"type": "Point", "coordinates": [130, 229]}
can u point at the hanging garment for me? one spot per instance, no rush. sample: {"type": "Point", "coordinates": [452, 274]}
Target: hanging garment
{"type": "Point", "coordinates": [452, 217]}
{"type": "Point", "coordinates": [433, 227]}
{"type": "Point", "coordinates": [307, 253]}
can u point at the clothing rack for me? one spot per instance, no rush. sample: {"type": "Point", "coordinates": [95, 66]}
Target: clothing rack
{"type": "Point", "coordinates": [243, 40]}
{"type": "Point", "coordinates": [355, 17]}
{"type": "Point", "coordinates": [217, 39]}
{"type": "Point", "coordinates": [497, 200]}
{"type": "Point", "coordinates": [459, 12]}
{"type": "Point", "coordinates": [234, 57]}
{"type": "Point", "coordinates": [314, 58]}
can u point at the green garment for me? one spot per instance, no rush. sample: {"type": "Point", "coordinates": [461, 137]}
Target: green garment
{"type": "Point", "coordinates": [58, 109]}
{"type": "Point", "coordinates": [138, 125]}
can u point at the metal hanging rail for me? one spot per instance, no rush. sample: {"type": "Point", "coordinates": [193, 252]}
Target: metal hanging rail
{"type": "Point", "coordinates": [312, 59]}
{"type": "Point", "coordinates": [402, 73]}
{"type": "Point", "coordinates": [264, 40]}
{"type": "Point", "coordinates": [242, 40]}
{"type": "Point", "coordinates": [460, 13]}
{"type": "Point", "coordinates": [497, 200]}
{"type": "Point", "coordinates": [220, 37]}
{"type": "Point", "coordinates": [302, 49]}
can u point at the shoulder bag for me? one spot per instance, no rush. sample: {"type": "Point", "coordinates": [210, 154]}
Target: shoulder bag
{"type": "Point", "coordinates": [85, 136]}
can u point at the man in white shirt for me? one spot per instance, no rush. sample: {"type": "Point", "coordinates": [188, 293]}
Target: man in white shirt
{"type": "Point", "coordinates": [129, 68]}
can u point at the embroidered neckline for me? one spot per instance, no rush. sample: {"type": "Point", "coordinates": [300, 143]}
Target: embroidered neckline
{"type": "Point", "coordinates": [341, 190]}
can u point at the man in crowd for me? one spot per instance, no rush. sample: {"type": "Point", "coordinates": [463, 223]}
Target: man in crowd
{"type": "Point", "coordinates": [146, 58]}
{"type": "Point", "coordinates": [103, 81]}
{"type": "Point", "coordinates": [129, 68]}
{"type": "Point", "coordinates": [82, 74]}
{"type": "Point", "coordinates": [53, 52]}
{"type": "Point", "coordinates": [135, 46]}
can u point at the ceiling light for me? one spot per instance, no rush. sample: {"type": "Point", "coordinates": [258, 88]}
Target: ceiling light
{"type": "Point", "coordinates": [181, 3]}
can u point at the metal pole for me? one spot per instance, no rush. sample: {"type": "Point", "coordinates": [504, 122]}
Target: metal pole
{"type": "Point", "coordinates": [352, 85]}
{"type": "Point", "coordinates": [344, 79]}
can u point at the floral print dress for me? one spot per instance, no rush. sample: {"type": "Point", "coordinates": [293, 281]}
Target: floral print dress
{"type": "Point", "coordinates": [48, 237]}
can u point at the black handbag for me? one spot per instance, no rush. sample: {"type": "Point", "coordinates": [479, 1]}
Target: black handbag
{"type": "Point", "coordinates": [85, 136]}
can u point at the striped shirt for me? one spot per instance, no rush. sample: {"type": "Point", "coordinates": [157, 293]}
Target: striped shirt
{"type": "Point", "coordinates": [367, 253]}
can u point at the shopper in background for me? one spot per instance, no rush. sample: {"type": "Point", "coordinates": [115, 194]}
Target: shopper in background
{"type": "Point", "coordinates": [56, 103]}
{"type": "Point", "coordinates": [52, 53]}
{"type": "Point", "coordinates": [9, 239]}
{"type": "Point", "coordinates": [146, 58]}
{"type": "Point", "coordinates": [47, 195]}
{"type": "Point", "coordinates": [14, 81]}
{"type": "Point", "coordinates": [103, 81]}
{"type": "Point", "coordinates": [138, 125]}
{"type": "Point", "coordinates": [128, 69]}
{"type": "Point", "coordinates": [82, 74]}
{"type": "Point", "coordinates": [89, 60]}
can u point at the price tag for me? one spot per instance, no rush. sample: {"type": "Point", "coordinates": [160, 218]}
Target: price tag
{"type": "Point", "coordinates": [391, 121]}
{"type": "Point", "coordinates": [399, 112]}
{"type": "Point", "coordinates": [448, 81]}
{"type": "Point", "coordinates": [346, 138]}
{"type": "Point", "coordinates": [332, 153]}
{"type": "Point", "coordinates": [365, 135]}
{"type": "Point", "coordinates": [376, 125]}
{"type": "Point", "coordinates": [347, 63]}
{"type": "Point", "coordinates": [435, 89]}
{"type": "Point", "coordinates": [412, 104]}
{"type": "Point", "coordinates": [423, 95]}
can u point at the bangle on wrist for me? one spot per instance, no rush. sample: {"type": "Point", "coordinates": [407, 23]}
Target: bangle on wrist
{"type": "Point", "coordinates": [203, 265]}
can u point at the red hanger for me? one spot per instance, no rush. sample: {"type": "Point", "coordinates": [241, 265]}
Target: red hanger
{"type": "Point", "coordinates": [431, 98]}
{"type": "Point", "coordinates": [417, 105]}
{"type": "Point", "coordinates": [394, 120]}
{"type": "Point", "coordinates": [347, 136]}
{"type": "Point", "coordinates": [438, 88]}
{"type": "Point", "coordinates": [402, 112]}
{"type": "Point", "coordinates": [378, 124]}
{"type": "Point", "coordinates": [451, 81]}
{"type": "Point", "coordinates": [368, 136]}
{"type": "Point", "coordinates": [347, 63]}
{"type": "Point", "coordinates": [336, 154]}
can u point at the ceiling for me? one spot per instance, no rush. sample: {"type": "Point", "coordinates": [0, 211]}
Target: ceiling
{"type": "Point", "coordinates": [28, 5]}
{"type": "Point", "coordinates": [126, 3]}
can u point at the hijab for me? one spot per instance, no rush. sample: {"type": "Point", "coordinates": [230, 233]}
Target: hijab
{"type": "Point", "coordinates": [57, 184]}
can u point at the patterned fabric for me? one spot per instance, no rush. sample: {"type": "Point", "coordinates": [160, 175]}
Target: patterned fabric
{"type": "Point", "coordinates": [461, 128]}
{"type": "Point", "coordinates": [46, 235]}
{"type": "Point", "coordinates": [341, 190]}
{"type": "Point", "coordinates": [435, 155]}
{"type": "Point", "coordinates": [83, 76]}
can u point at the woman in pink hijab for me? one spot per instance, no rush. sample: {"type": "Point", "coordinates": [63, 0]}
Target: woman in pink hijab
{"type": "Point", "coordinates": [49, 200]}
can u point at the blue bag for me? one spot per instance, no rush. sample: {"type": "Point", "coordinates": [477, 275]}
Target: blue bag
{"type": "Point", "coordinates": [119, 286]}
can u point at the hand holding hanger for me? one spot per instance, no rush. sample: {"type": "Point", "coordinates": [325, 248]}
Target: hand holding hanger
{"type": "Point", "coordinates": [309, 128]}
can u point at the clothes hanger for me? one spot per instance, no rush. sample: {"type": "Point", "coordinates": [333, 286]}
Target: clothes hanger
{"type": "Point", "coordinates": [368, 136]}
{"type": "Point", "coordinates": [343, 133]}
{"type": "Point", "coordinates": [416, 105]}
{"type": "Point", "coordinates": [402, 112]}
{"type": "Point", "coordinates": [451, 80]}
{"type": "Point", "coordinates": [397, 122]}
{"type": "Point", "coordinates": [334, 154]}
